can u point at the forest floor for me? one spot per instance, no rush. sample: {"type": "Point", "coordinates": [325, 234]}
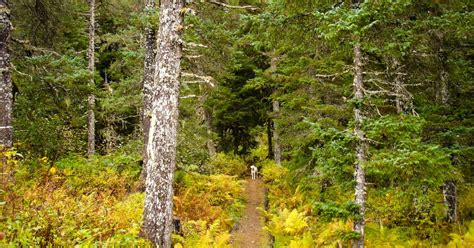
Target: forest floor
{"type": "Point", "coordinates": [250, 233]}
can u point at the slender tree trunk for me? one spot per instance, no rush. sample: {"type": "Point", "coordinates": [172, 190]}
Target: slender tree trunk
{"type": "Point", "coordinates": [206, 118]}
{"type": "Point", "coordinates": [276, 134]}
{"type": "Point", "coordinates": [361, 148]}
{"type": "Point", "coordinates": [148, 81]}
{"type": "Point", "coordinates": [276, 113]}
{"type": "Point", "coordinates": [6, 94]}
{"type": "Point", "coordinates": [403, 99]}
{"type": "Point", "coordinates": [270, 138]}
{"type": "Point", "coordinates": [442, 92]}
{"type": "Point", "coordinates": [161, 149]}
{"type": "Point", "coordinates": [442, 97]}
{"type": "Point", "coordinates": [91, 68]}
{"type": "Point", "coordinates": [450, 199]}
{"type": "Point", "coordinates": [211, 145]}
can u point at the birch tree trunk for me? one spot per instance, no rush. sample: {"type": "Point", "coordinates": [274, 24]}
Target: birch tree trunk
{"type": "Point", "coordinates": [148, 81]}
{"type": "Point", "coordinates": [6, 94]}
{"type": "Point", "coordinates": [361, 147]}
{"type": "Point", "coordinates": [161, 150]}
{"type": "Point", "coordinates": [91, 68]}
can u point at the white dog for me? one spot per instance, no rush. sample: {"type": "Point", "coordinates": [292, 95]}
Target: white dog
{"type": "Point", "coordinates": [253, 171]}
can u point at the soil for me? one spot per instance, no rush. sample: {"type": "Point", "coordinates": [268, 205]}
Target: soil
{"type": "Point", "coordinates": [250, 233]}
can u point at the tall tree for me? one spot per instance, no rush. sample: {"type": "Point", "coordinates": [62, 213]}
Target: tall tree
{"type": "Point", "coordinates": [362, 145]}
{"type": "Point", "coordinates": [276, 112]}
{"type": "Point", "coordinates": [207, 119]}
{"type": "Point", "coordinates": [161, 150]}
{"type": "Point", "coordinates": [91, 68]}
{"type": "Point", "coordinates": [148, 78]}
{"type": "Point", "coordinates": [6, 95]}
{"type": "Point", "coordinates": [442, 98]}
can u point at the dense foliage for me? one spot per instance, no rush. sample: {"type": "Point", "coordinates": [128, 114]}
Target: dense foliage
{"type": "Point", "coordinates": [419, 85]}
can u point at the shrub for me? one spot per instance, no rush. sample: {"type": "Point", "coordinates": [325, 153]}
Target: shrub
{"type": "Point", "coordinates": [467, 240]}
{"type": "Point", "coordinates": [200, 234]}
{"type": "Point", "coordinates": [290, 228]}
{"type": "Point", "coordinates": [272, 173]}
{"type": "Point", "coordinates": [226, 164]}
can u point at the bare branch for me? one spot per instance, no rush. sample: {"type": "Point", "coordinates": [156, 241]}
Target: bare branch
{"type": "Point", "coordinates": [193, 56]}
{"type": "Point", "coordinates": [330, 76]}
{"type": "Point", "coordinates": [21, 73]}
{"type": "Point", "coordinates": [192, 44]}
{"type": "Point", "coordinates": [204, 79]}
{"type": "Point", "coordinates": [188, 96]}
{"type": "Point", "coordinates": [27, 45]}
{"type": "Point", "coordinates": [249, 7]}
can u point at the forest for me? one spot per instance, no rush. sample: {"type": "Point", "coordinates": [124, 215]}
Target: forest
{"type": "Point", "coordinates": [237, 123]}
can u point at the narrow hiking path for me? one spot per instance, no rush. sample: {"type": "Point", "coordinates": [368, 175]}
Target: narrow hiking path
{"type": "Point", "coordinates": [250, 233]}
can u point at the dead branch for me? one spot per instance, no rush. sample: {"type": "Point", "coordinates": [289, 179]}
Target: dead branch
{"type": "Point", "coordinates": [27, 45]}
{"type": "Point", "coordinates": [204, 79]}
{"type": "Point", "coordinates": [249, 7]}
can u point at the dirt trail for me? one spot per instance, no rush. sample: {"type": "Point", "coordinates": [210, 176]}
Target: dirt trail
{"type": "Point", "coordinates": [249, 233]}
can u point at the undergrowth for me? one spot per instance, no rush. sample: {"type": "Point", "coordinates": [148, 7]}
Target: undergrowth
{"type": "Point", "coordinates": [79, 202]}
{"type": "Point", "coordinates": [298, 218]}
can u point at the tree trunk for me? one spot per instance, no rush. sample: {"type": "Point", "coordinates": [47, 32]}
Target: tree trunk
{"type": "Point", "coordinates": [361, 148]}
{"type": "Point", "coordinates": [442, 97]}
{"type": "Point", "coordinates": [161, 150]}
{"type": "Point", "coordinates": [276, 134]}
{"type": "Point", "coordinates": [403, 98]}
{"type": "Point", "coordinates": [276, 113]}
{"type": "Point", "coordinates": [270, 138]}
{"type": "Point", "coordinates": [450, 199]}
{"type": "Point", "coordinates": [91, 68]}
{"type": "Point", "coordinates": [148, 81]}
{"type": "Point", "coordinates": [206, 118]}
{"type": "Point", "coordinates": [442, 92]}
{"type": "Point", "coordinates": [6, 94]}
{"type": "Point", "coordinates": [211, 145]}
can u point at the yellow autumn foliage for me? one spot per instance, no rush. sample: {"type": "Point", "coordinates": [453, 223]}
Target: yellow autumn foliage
{"type": "Point", "coordinates": [463, 241]}
{"type": "Point", "coordinates": [287, 222]}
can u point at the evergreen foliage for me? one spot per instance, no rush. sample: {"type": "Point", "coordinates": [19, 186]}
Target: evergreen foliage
{"type": "Point", "coordinates": [239, 57]}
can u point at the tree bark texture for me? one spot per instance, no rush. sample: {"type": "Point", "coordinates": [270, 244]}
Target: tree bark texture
{"type": "Point", "coordinates": [276, 134]}
{"type": "Point", "coordinates": [276, 113]}
{"type": "Point", "coordinates": [450, 199]}
{"type": "Point", "coordinates": [6, 94]}
{"type": "Point", "coordinates": [162, 141]}
{"type": "Point", "coordinates": [148, 81]}
{"type": "Point", "coordinates": [361, 147]}
{"type": "Point", "coordinates": [149, 71]}
{"type": "Point", "coordinates": [91, 68]}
